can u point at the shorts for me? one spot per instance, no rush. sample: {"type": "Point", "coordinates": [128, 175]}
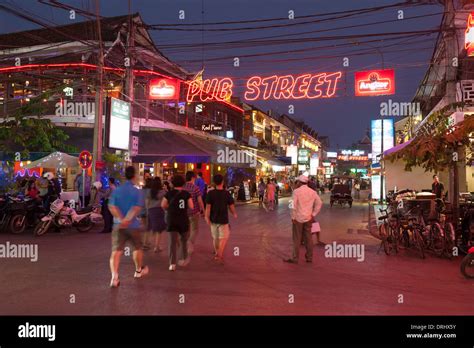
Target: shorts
{"type": "Point", "coordinates": [121, 236]}
{"type": "Point", "coordinates": [260, 197]}
{"type": "Point", "coordinates": [220, 231]}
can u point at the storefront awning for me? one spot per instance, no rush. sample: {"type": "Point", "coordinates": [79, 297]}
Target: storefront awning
{"type": "Point", "coordinates": [168, 146]}
{"type": "Point", "coordinates": [397, 147]}
{"type": "Point", "coordinates": [214, 149]}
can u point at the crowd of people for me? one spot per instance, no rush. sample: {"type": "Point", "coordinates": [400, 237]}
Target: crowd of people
{"type": "Point", "coordinates": [176, 209]}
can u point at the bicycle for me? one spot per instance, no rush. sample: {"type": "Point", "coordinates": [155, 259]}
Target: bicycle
{"type": "Point", "coordinates": [388, 233]}
{"type": "Point", "coordinates": [412, 231]}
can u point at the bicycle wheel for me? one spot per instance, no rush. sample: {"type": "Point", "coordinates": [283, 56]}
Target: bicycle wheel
{"type": "Point", "coordinates": [437, 242]}
{"type": "Point", "coordinates": [418, 242]}
{"type": "Point", "coordinates": [449, 238]}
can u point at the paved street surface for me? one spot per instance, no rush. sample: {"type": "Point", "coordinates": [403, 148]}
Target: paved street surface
{"type": "Point", "coordinates": [256, 282]}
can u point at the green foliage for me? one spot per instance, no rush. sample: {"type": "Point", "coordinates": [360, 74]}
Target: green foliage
{"type": "Point", "coordinates": [114, 164]}
{"type": "Point", "coordinates": [434, 145]}
{"type": "Point", "coordinates": [33, 133]}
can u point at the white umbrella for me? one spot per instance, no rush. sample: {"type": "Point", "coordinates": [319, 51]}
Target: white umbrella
{"type": "Point", "coordinates": [55, 160]}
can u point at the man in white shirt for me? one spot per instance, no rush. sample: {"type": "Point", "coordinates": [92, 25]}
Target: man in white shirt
{"type": "Point", "coordinates": [305, 205]}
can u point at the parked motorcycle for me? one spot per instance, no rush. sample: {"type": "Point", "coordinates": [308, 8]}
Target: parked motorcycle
{"type": "Point", "coordinates": [11, 212]}
{"type": "Point", "coordinates": [467, 264]}
{"type": "Point", "coordinates": [29, 216]}
{"type": "Point", "coordinates": [63, 216]}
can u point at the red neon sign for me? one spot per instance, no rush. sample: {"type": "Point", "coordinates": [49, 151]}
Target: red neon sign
{"type": "Point", "coordinates": [469, 36]}
{"type": "Point", "coordinates": [208, 90]}
{"type": "Point", "coordinates": [164, 89]}
{"type": "Point", "coordinates": [322, 85]}
{"type": "Point", "coordinates": [374, 82]}
{"type": "Point", "coordinates": [352, 158]}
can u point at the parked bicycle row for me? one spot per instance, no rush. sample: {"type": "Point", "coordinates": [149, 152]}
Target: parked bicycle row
{"type": "Point", "coordinates": [427, 226]}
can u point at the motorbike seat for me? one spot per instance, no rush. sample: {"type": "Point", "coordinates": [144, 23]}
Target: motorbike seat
{"type": "Point", "coordinates": [85, 210]}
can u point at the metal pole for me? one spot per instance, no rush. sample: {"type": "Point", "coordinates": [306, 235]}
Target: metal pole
{"type": "Point", "coordinates": [97, 150]}
{"type": "Point", "coordinates": [83, 188]}
{"type": "Point", "coordinates": [382, 142]}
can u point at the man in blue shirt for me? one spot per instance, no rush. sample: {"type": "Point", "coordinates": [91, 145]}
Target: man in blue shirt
{"type": "Point", "coordinates": [126, 204]}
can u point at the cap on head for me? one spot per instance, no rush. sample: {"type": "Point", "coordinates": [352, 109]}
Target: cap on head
{"type": "Point", "coordinates": [303, 179]}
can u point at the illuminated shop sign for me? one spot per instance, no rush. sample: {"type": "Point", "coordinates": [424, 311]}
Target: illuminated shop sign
{"type": "Point", "coordinates": [119, 126]}
{"type": "Point", "coordinates": [352, 158]}
{"type": "Point", "coordinates": [306, 86]}
{"type": "Point", "coordinates": [469, 36]}
{"type": "Point", "coordinates": [374, 82]}
{"type": "Point", "coordinates": [303, 156]}
{"type": "Point", "coordinates": [331, 154]}
{"type": "Point", "coordinates": [353, 152]}
{"type": "Point", "coordinates": [164, 89]}
{"type": "Point", "coordinates": [388, 137]}
{"type": "Point", "coordinates": [211, 128]}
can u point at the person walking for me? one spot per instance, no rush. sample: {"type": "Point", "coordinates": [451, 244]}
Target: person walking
{"type": "Point", "coordinates": [305, 205]}
{"type": "Point", "coordinates": [195, 213]}
{"type": "Point", "coordinates": [155, 213]}
{"type": "Point", "coordinates": [177, 202]}
{"type": "Point", "coordinates": [144, 214]}
{"type": "Point", "coordinates": [270, 193]}
{"type": "Point", "coordinates": [277, 191]}
{"type": "Point", "coordinates": [126, 203]}
{"type": "Point", "coordinates": [218, 201]}
{"type": "Point", "coordinates": [84, 194]}
{"type": "Point", "coordinates": [261, 192]}
{"type": "Point", "coordinates": [106, 214]}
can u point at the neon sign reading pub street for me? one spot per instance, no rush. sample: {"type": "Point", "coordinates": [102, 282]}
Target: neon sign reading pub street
{"type": "Point", "coordinates": [309, 86]}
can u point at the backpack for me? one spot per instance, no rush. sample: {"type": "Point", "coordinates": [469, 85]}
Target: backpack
{"type": "Point", "coordinates": [176, 213]}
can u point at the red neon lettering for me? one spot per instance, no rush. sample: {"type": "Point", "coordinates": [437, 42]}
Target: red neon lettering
{"type": "Point", "coordinates": [332, 79]}
{"type": "Point", "coordinates": [208, 89]}
{"type": "Point", "coordinates": [212, 89]}
{"type": "Point", "coordinates": [284, 87]}
{"type": "Point", "coordinates": [301, 86]}
{"type": "Point", "coordinates": [193, 90]}
{"type": "Point", "coordinates": [313, 90]}
{"type": "Point", "coordinates": [224, 89]}
{"type": "Point", "coordinates": [269, 83]}
{"type": "Point", "coordinates": [253, 90]}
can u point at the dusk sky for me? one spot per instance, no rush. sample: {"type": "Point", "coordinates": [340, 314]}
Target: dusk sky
{"type": "Point", "coordinates": [344, 118]}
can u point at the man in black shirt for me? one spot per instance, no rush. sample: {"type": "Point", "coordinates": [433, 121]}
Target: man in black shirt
{"type": "Point", "coordinates": [437, 187]}
{"type": "Point", "coordinates": [177, 202]}
{"type": "Point", "coordinates": [217, 202]}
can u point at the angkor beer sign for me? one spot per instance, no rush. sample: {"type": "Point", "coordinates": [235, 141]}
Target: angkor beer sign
{"type": "Point", "coordinates": [469, 36]}
{"type": "Point", "coordinates": [164, 89]}
{"type": "Point", "coordinates": [306, 86]}
{"type": "Point", "coordinates": [374, 82]}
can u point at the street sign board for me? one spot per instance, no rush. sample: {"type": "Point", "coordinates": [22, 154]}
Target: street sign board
{"type": "Point", "coordinates": [134, 146]}
{"type": "Point", "coordinates": [119, 129]}
{"type": "Point", "coordinates": [85, 159]}
{"type": "Point", "coordinates": [303, 156]}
